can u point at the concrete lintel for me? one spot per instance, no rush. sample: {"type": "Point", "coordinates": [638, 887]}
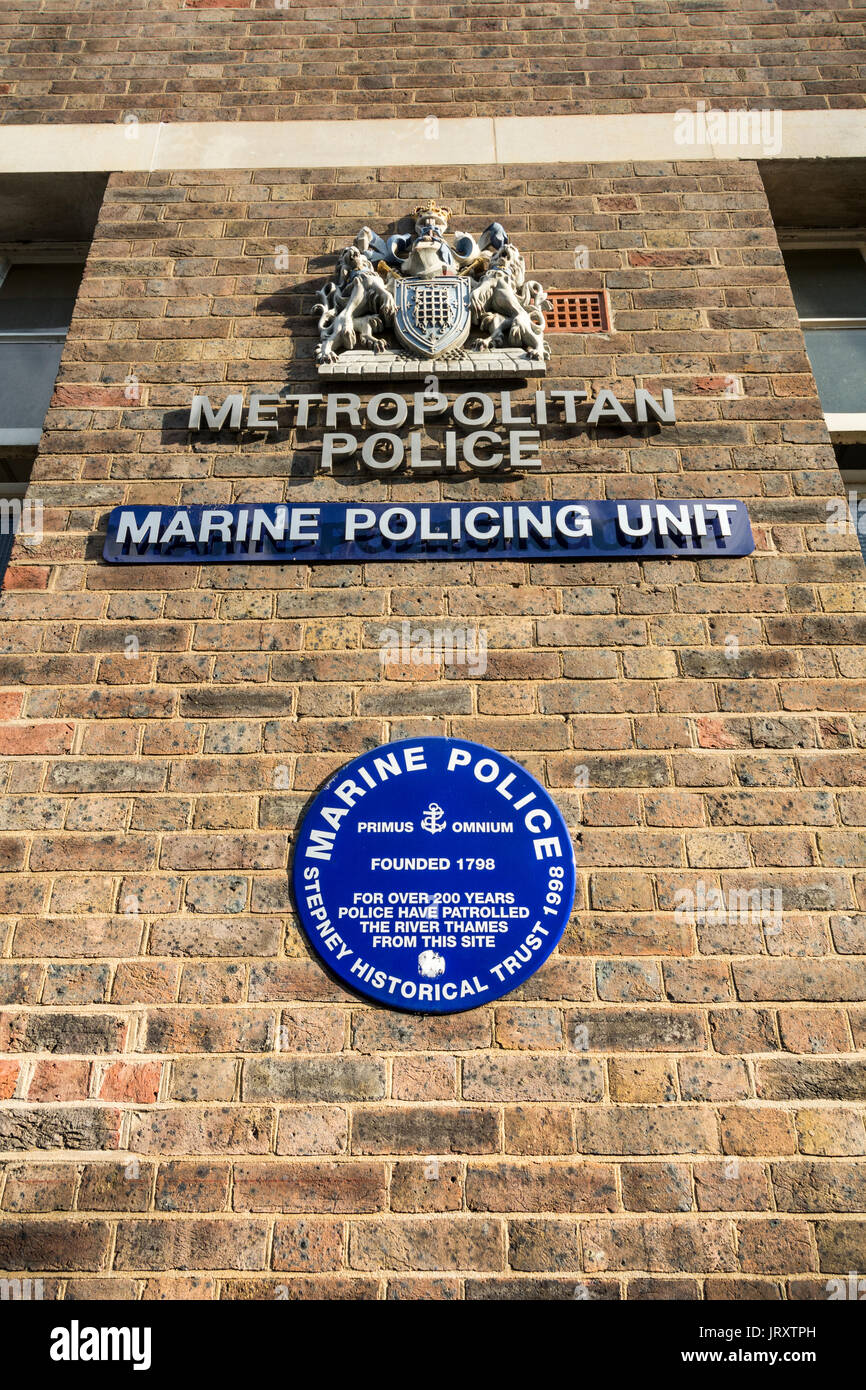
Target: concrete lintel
{"type": "Point", "coordinates": [324, 144]}
{"type": "Point", "coordinates": [682, 136]}
{"type": "Point", "coordinates": [589, 140]}
{"type": "Point", "coordinates": [78, 149]}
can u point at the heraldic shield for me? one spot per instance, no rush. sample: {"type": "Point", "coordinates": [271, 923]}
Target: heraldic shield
{"type": "Point", "coordinates": [433, 315]}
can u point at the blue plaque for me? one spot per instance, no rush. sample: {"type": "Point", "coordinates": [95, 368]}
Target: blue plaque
{"type": "Point", "coordinates": [433, 874]}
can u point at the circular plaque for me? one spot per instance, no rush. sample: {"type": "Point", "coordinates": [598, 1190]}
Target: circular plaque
{"type": "Point", "coordinates": [433, 874]}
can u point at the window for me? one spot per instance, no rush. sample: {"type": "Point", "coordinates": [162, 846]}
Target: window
{"type": "Point", "coordinates": [827, 271]}
{"type": "Point", "coordinates": [36, 303]}
{"type": "Point", "coordinates": [829, 288]}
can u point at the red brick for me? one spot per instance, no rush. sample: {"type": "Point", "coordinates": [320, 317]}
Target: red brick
{"type": "Point", "coordinates": [66, 1080]}
{"type": "Point", "coordinates": [133, 1081]}
{"type": "Point", "coordinates": [21, 739]}
{"type": "Point", "coordinates": [8, 1079]}
{"type": "Point", "coordinates": [26, 577]}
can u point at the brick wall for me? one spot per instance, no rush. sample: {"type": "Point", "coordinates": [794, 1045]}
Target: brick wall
{"type": "Point", "coordinates": [666, 1108]}
{"type": "Point", "coordinates": [258, 60]}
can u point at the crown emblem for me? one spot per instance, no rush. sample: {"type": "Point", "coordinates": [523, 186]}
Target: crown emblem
{"type": "Point", "coordinates": [432, 209]}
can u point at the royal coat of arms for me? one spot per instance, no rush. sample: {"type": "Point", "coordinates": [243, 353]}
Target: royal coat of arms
{"type": "Point", "coordinates": [417, 303]}
{"type": "Point", "coordinates": [432, 315]}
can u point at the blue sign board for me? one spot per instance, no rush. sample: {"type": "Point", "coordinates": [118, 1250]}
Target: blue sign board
{"type": "Point", "coordinates": [433, 874]}
{"type": "Point", "coordinates": [340, 532]}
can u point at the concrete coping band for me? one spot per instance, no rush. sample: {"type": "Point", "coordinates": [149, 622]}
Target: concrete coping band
{"type": "Point", "coordinates": [697, 133]}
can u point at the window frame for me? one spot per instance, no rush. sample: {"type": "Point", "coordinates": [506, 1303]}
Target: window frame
{"type": "Point", "coordinates": [54, 253]}
{"type": "Point", "coordinates": [844, 428]}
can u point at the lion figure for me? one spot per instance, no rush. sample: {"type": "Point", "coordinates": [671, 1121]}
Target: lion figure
{"type": "Point", "coordinates": [507, 308]}
{"type": "Point", "coordinates": [355, 309]}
